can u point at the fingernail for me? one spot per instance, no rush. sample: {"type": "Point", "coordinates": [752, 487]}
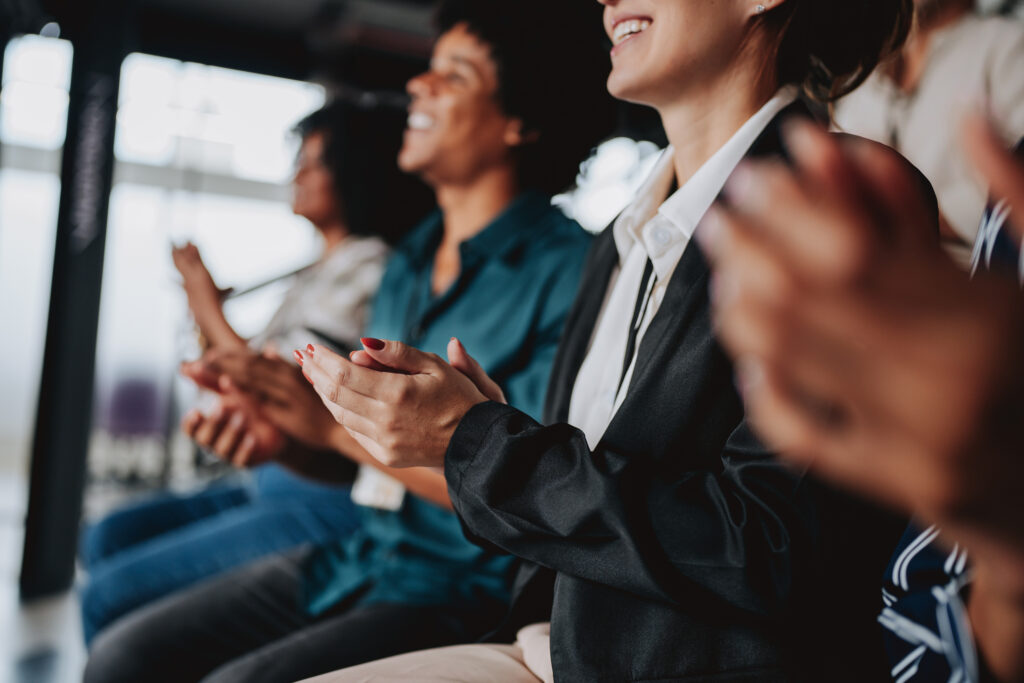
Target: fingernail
{"type": "Point", "coordinates": [749, 375]}
{"type": "Point", "coordinates": [298, 357]}
{"type": "Point", "coordinates": [307, 377]}
{"type": "Point", "coordinates": [237, 420]}
{"type": "Point", "coordinates": [309, 349]}
{"type": "Point", "coordinates": [743, 189]}
{"type": "Point", "coordinates": [373, 344]}
{"type": "Point", "coordinates": [799, 137]}
{"type": "Point", "coordinates": [709, 230]}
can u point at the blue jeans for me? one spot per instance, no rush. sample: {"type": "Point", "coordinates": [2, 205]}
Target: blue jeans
{"type": "Point", "coordinates": [150, 549]}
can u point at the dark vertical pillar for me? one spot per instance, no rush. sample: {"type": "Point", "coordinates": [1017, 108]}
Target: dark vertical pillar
{"type": "Point", "coordinates": [5, 38]}
{"type": "Point", "coordinates": [63, 422]}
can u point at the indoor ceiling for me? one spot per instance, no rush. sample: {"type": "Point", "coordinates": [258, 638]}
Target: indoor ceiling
{"type": "Point", "coordinates": [280, 14]}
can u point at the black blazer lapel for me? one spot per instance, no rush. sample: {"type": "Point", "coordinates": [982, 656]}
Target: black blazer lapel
{"type": "Point", "coordinates": [687, 291]}
{"type": "Point", "coordinates": [579, 326]}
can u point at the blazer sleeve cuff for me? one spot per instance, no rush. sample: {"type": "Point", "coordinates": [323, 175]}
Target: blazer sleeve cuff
{"type": "Point", "coordinates": [470, 439]}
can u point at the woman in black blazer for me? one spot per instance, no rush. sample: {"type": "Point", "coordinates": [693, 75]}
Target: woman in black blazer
{"type": "Point", "coordinates": [660, 538]}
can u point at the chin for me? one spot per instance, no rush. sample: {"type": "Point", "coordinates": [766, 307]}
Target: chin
{"type": "Point", "coordinates": [626, 87]}
{"type": "Point", "coordinates": [407, 163]}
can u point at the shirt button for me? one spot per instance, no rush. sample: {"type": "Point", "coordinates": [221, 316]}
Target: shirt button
{"type": "Point", "coordinates": [658, 239]}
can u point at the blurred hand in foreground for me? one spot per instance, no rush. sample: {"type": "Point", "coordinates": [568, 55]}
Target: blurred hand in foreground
{"type": "Point", "coordinates": [864, 353]}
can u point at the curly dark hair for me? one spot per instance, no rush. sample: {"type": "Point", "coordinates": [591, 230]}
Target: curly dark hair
{"type": "Point", "coordinates": [552, 73]}
{"type": "Point", "coordinates": [830, 47]}
{"type": "Point", "coordinates": [361, 143]}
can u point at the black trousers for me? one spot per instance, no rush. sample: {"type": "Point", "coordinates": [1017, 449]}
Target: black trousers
{"type": "Point", "coordinates": [248, 625]}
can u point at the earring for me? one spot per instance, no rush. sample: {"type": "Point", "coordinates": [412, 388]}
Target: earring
{"type": "Point", "coordinates": [760, 9]}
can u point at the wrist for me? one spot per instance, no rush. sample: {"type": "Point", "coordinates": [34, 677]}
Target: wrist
{"type": "Point", "coordinates": [996, 613]}
{"type": "Point", "coordinates": [1000, 578]}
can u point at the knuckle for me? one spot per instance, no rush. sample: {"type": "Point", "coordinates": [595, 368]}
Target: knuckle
{"type": "Point", "coordinates": [392, 442]}
{"type": "Point", "coordinates": [389, 425]}
{"type": "Point", "coordinates": [402, 393]}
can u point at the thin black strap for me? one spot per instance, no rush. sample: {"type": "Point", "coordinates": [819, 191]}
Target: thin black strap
{"type": "Point", "coordinates": [638, 313]}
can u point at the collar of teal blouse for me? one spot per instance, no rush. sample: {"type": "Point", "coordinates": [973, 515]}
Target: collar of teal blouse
{"type": "Point", "coordinates": [515, 226]}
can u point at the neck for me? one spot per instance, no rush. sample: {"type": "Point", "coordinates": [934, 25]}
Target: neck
{"type": "Point", "coordinates": [941, 13]}
{"type": "Point", "coordinates": [700, 123]}
{"type": "Point", "coordinates": [909, 67]}
{"type": "Point", "coordinates": [333, 233]}
{"type": "Point", "coordinates": [471, 206]}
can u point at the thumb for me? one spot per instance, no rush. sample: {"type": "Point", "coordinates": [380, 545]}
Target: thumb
{"type": "Point", "coordinates": [201, 374]}
{"type": "Point", "coordinates": [1004, 173]}
{"type": "Point", "coordinates": [467, 365]}
{"type": "Point", "coordinates": [398, 356]}
{"type": "Point", "coordinates": [363, 360]}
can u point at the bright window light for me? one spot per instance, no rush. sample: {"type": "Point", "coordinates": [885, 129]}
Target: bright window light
{"type": "Point", "coordinates": [208, 119]}
{"type": "Point", "coordinates": [34, 99]}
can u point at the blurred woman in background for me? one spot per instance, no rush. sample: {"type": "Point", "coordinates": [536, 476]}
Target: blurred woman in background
{"type": "Point", "coordinates": [146, 550]}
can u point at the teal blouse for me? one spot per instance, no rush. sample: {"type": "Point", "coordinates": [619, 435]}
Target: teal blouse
{"type": "Point", "coordinates": [508, 305]}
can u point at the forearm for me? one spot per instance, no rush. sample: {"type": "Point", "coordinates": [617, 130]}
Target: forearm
{"type": "Point", "coordinates": [996, 610]}
{"type": "Point", "coordinates": [424, 482]}
{"type": "Point", "coordinates": [214, 326]}
{"type": "Point", "coordinates": [540, 493]}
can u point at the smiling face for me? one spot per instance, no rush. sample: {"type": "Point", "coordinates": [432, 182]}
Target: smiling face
{"type": "Point", "coordinates": [666, 48]}
{"type": "Point", "coordinates": [456, 127]}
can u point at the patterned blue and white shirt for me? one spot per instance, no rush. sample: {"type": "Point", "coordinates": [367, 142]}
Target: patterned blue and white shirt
{"type": "Point", "coordinates": [924, 616]}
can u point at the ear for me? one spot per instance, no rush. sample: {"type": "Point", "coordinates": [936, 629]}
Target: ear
{"type": "Point", "coordinates": [516, 134]}
{"type": "Point", "coordinates": [762, 7]}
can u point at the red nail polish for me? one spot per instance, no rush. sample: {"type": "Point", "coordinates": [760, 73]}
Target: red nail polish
{"type": "Point", "coordinates": [373, 344]}
{"type": "Point", "coordinates": [309, 349]}
{"type": "Point", "coordinates": [307, 377]}
{"type": "Point", "coordinates": [298, 357]}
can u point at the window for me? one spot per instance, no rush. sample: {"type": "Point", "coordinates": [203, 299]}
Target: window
{"type": "Point", "coordinates": [33, 119]}
{"type": "Point", "coordinates": [203, 154]}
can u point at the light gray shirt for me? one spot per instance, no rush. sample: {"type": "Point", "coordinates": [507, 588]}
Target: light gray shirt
{"type": "Point", "coordinates": [330, 300]}
{"type": "Point", "coordinates": [979, 60]}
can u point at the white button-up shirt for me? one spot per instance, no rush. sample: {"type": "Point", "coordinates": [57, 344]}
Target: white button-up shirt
{"type": "Point", "coordinates": [657, 229]}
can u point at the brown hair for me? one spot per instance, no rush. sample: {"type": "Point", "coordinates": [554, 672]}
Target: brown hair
{"type": "Point", "coordinates": [829, 47]}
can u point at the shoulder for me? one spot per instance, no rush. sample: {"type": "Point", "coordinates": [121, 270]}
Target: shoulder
{"type": "Point", "coordinates": [994, 42]}
{"type": "Point", "coordinates": [557, 234]}
{"type": "Point", "coordinates": [417, 240]}
{"type": "Point", "coordinates": [363, 251]}
{"type": "Point", "coordinates": [976, 27]}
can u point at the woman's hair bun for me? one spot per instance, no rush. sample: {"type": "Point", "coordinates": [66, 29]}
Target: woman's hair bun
{"type": "Point", "coordinates": [829, 47]}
